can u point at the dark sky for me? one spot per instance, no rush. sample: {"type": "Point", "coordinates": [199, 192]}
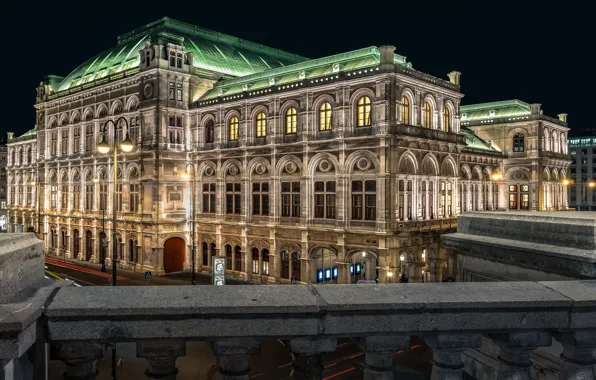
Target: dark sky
{"type": "Point", "coordinates": [504, 50]}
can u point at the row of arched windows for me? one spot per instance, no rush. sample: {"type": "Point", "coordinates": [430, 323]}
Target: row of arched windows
{"type": "Point", "coordinates": [21, 156]}
{"type": "Point", "coordinates": [427, 114]}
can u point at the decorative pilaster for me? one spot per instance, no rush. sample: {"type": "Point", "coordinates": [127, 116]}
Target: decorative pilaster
{"type": "Point", "coordinates": [447, 350]}
{"type": "Point", "coordinates": [161, 358]}
{"type": "Point", "coordinates": [80, 358]}
{"type": "Point", "coordinates": [514, 354]}
{"type": "Point", "coordinates": [233, 357]}
{"type": "Point", "coordinates": [308, 364]}
{"type": "Point", "coordinates": [577, 359]}
{"type": "Point", "coordinates": [378, 362]}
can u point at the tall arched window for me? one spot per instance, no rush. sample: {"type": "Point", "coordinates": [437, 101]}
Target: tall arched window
{"type": "Point", "coordinates": [446, 120]}
{"type": "Point", "coordinates": [427, 115]}
{"type": "Point", "coordinates": [364, 112]}
{"type": "Point", "coordinates": [291, 121]}
{"type": "Point", "coordinates": [209, 132]}
{"type": "Point", "coordinates": [518, 142]}
{"type": "Point", "coordinates": [261, 124]}
{"type": "Point", "coordinates": [405, 110]}
{"type": "Point", "coordinates": [233, 128]}
{"type": "Point", "coordinates": [325, 117]}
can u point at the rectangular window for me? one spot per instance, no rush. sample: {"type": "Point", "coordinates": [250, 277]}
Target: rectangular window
{"type": "Point", "coordinates": [29, 194]}
{"type": "Point", "coordinates": [133, 203]}
{"type": "Point", "coordinates": [118, 199]}
{"type": "Point", "coordinates": [364, 200]}
{"type": "Point", "coordinates": [179, 63]}
{"type": "Point", "coordinates": [233, 196]}
{"type": "Point", "coordinates": [325, 199]}
{"type": "Point", "coordinates": [260, 198]}
{"type": "Point", "coordinates": [103, 197]}
{"type": "Point", "coordinates": [172, 91]}
{"type": "Point", "coordinates": [76, 195]}
{"type": "Point", "coordinates": [88, 197]}
{"type": "Point", "coordinates": [64, 197]}
{"type": "Point", "coordinates": [176, 135]}
{"type": "Point", "coordinates": [449, 200]}
{"type": "Point", "coordinates": [65, 141]}
{"type": "Point", "coordinates": [179, 92]}
{"type": "Point", "coordinates": [290, 199]}
{"type": "Point", "coordinates": [53, 196]}
{"type": "Point", "coordinates": [442, 200]}
{"type": "Point", "coordinates": [77, 141]}
{"type": "Point", "coordinates": [172, 58]}
{"type": "Point", "coordinates": [21, 195]}
{"type": "Point", "coordinates": [89, 139]}
{"type": "Point", "coordinates": [209, 197]}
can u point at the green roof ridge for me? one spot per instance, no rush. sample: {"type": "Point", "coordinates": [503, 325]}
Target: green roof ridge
{"type": "Point", "coordinates": [501, 103]}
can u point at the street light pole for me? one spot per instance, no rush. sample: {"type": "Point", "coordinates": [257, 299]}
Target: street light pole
{"type": "Point", "coordinates": [193, 187]}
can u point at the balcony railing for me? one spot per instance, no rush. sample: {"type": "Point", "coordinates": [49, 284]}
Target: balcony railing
{"type": "Point", "coordinates": [450, 317]}
{"type": "Point", "coordinates": [427, 133]}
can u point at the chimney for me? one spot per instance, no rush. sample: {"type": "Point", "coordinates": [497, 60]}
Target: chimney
{"type": "Point", "coordinates": [562, 117]}
{"type": "Point", "coordinates": [10, 135]}
{"type": "Point", "coordinates": [454, 77]}
{"type": "Point", "coordinates": [535, 108]}
{"type": "Point", "coordinates": [386, 52]}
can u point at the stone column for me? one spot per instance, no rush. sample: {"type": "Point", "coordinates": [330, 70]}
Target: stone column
{"type": "Point", "coordinates": [577, 359]}
{"type": "Point", "coordinates": [308, 364]}
{"type": "Point", "coordinates": [80, 358]}
{"type": "Point", "coordinates": [343, 273]}
{"type": "Point", "coordinates": [451, 263]}
{"type": "Point", "coordinates": [514, 354]}
{"type": "Point", "coordinates": [447, 350]}
{"type": "Point", "coordinates": [233, 357]}
{"type": "Point", "coordinates": [378, 362]}
{"type": "Point", "coordinates": [161, 357]}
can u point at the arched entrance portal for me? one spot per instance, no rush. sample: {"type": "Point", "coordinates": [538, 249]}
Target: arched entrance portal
{"type": "Point", "coordinates": [325, 270]}
{"type": "Point", "coordinates": [363, 266]}
{"type": "Point", "coordinates": [173, 255]}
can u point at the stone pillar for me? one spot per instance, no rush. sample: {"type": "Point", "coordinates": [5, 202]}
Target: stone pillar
{"type": "Point", "coordinates": [343, 273]}
{"type": "Point", "coordinates": [451, 263]}
{"type": "Point", "coordinates": [514, 354]}
{"type": "Point", "coordinates": [80, 358]}
{"type": "Point", "coordinates": [380, 350]}
{"type": "Point", "coordinates": [308, 364]}
{"type": "Point", "coordinates": [447, 350]}
{"type": "Point", "coordinates": [161, 357]}
{"type": "Point", "coordinates": [308, 272]}
{"type": "Point", "coordinates": [577, 359]}
{"type": "Point", "coordinates": [233, 357]}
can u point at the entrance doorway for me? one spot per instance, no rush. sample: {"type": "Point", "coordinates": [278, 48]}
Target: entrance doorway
{"type": "Point", "coordinates": [173, 255]}
{"type": "Point", "coordinates": [325, 270]}
{"type": "Point", "coordinates": [88, 245]}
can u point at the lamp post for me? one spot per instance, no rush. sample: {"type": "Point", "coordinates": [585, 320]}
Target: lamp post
{"type": "Point", "coordinates": [566, 182]}
{"type": "Point", "coordinates": [187, 176]}
{"type": "Point", "coordinates": [494, 178]}
{"type": "Point", "coordinates": [103, 235]}
{"type": "Point", "coordinates": [104, 148]}
{"type": "Point", "coordinates": [34, 183]}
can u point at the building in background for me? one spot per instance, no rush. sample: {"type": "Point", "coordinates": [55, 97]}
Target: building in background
{"type": "Point", "coordinates": [582, 187]}
{"type": "Point", "coordinates": [331, 170]}
{"type": "Point", "coordinates": [3, 189]}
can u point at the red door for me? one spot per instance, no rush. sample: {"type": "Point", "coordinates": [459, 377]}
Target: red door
{"type": "Point", "coordinates": [173, 255]}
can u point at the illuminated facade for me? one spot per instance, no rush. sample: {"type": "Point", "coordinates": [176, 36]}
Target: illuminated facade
{"type": "Point", "coordinates": [582, 186]}
{"type": "Point", "coordinates": [351, 163]}
{"type": "Point", "coordinates": [3, 189]}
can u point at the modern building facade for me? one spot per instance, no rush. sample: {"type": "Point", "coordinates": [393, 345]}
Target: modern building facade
{"type": "Point", "coordinates": [334, 169]}
{"type": "Point", "coordinates": [3, 190]}
{"type": "Point", "coordinates": [582, 194]}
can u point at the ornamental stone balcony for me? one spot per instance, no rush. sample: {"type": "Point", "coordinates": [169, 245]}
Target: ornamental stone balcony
{"type": "Point", "coordinates": [450, 317]}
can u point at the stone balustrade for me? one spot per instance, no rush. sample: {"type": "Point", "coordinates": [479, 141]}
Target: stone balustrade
{"type": "Point", "coordinates": [451, 318]}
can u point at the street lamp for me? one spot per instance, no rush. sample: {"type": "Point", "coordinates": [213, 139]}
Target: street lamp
{"type": "Point", "coordinates": [103, 234]}
{"type": "Point", "coordinates": [104, 148]}
{"type": "Point", "coordinates": [193, 184]}
{"type": "Point", "coordinates": [34, 183]}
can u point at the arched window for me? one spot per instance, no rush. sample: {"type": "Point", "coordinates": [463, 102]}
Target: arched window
{"type": "Point", "coordinates": [237, 258]}
{"type": "Point", "coordinates": [209, 132]}
{"type": "Point", "coordinates": [405, 110]}
{"type": "Point", "coordinates": [255, 261]}
{"type": "Point", "coordinates": [261, 124]}
{"type": "Point", "coordinates": [228, 257]}
{"type": "Point", "coordinates": [427, 115]}
{"type": "Point", "coordinates": [205, 254]}
{"type": "Point", "coordinates": [265, 256]}
{"type": "Point", "coordinates": [325, 117]}
{"type": "Point", "coordinates": [291, 121]}
{"type": "Point", "coordinates": [446, 120]}
{"type": "Point", "coordinates": [21, 157]}
{"type": "Point", "coordinates": [518, 142]}
{"type": "Point", "coordinates": [233, 128]}
{"type": "Point", "coordinates": [364, 112]}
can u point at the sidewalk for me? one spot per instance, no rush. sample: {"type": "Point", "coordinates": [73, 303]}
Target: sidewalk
{"type": "Point", "coordinates": [177, 278]}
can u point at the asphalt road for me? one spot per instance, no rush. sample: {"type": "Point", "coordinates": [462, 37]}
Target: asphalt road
{"type": "Point", "coordinates": [274, 363]}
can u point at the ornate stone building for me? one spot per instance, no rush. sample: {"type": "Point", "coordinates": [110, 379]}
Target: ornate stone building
{"type": "Point", "coordinates": [334, 169]}
{"type": "Point", "coordinates": [3, 190]}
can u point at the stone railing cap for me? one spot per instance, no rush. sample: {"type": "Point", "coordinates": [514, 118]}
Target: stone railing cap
{"type": "Point", "coordinates": [582, 293]}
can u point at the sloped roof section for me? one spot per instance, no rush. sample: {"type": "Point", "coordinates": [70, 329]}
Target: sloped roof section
{"type": "Point", "coordinates": [353, 60]}
{"type": "Point", "coordinates": [213, 51]}
{"type": "Point", "coordinates": [475, 142]}
{"type": "Point", "coordinates": [494, 110]}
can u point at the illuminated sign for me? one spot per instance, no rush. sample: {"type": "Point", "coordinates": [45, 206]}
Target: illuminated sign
{"type": "Point", "coordinates": [328, 274]}
{"type": "Point", "coordinates": [358, 268]}
{"type": "Point", "coordinates": [351, 269]}
{"type": "Point", "coordinates": [219, 271]}
{"type": "Point", "coordinates": [319, 275]}
{"type": "Point", "coordinates": [335, 273]}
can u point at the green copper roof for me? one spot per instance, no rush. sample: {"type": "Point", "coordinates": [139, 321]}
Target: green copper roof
{"type": "Point", "coordinates": [352, 60]}
{"type": "Point", "coordinates": [494, 110]}
{"type": "Point", "coordinates": [474, 141]}
{"type": "Point", "coordinates": [213, 51]}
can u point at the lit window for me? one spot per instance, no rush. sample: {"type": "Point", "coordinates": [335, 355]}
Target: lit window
{"type": "Point", "coordinates": [364, 112]}
{"type": "Point", "coordinates": [261, 125]}
{"type": "Point", "coordinates": [405, 110]}
{"type": "Point", "coordinates": [518, 142]}
{"type": "Point", "coordinates": [234, 128]}
{"type": "Point", "coordinates": [291, 121]}
{"type": "Point", "coordinates": [427, 115]}
{"type": "Point", "coordinates": [325, 117]}
{"type": "Point", "coordinates": [172, 93]}
{"type": "Point", "coordinates": [446, 120]}
{"type": "Point", "coordinates": [179, 92]}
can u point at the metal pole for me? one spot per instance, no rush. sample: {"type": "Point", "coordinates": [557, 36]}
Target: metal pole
{"type": "Point", "coordinates": [194, 280]}
{"type": "Point", "coordinates": [114, 243]}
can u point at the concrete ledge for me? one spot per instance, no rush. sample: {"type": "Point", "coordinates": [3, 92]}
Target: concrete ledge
{"type": "Point", "coordinates": [21, 264]}
{"type": "Point", "coordinates": [286, 312]}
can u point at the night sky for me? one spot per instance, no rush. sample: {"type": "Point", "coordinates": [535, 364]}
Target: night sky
{"type": "Point", "coordinates": [504, 50]}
